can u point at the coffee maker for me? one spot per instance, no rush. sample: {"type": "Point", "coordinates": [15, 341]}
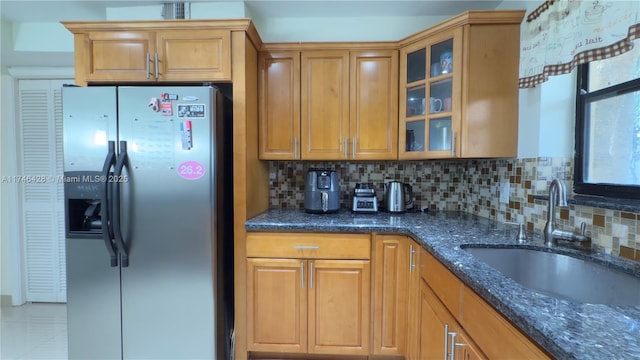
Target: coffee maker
{"type": "Point", "coordinates": [321, 191]}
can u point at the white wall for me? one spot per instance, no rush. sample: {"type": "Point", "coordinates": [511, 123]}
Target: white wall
{"type": "Point", "coordinates": [557, 116]}
{"type": "Point", "coordinates": [4, 248]}
{"type": "Point", "coordinates": [371, 28]}
{"type": "Point", "coordinates": [43, 37]}
{"type": "Point", "coordinates": [8, 203]}
{"type": "Point", "coordinates": [546, 112]}
{"type": "Point", "coordinates": [219, 10]}
{"type": "Point", "coordinates": [135, 13]}
{"type": "Point", "coordinates": [529, 123]}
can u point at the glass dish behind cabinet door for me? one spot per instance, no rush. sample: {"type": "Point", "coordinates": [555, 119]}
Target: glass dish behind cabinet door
{"type": "Point", "coordinates": [439, 134]}
{"type": "Point", "coordinates": [440, 95]}
{"type": "Point", "coordinates": [415, 136]}
{"type": "Point", "coordinates": [416, 65]}
{"type": "Point", "coordinates": [441, 61]}
{"type": "Point", "coordinates": [416, 101]}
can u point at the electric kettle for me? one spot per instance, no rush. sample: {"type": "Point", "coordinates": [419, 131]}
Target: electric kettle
{"type": "Point", "coordinates": [398, 197]}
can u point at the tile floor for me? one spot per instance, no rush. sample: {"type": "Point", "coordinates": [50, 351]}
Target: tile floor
{"type": "Point", "coordinates": [33, 331]}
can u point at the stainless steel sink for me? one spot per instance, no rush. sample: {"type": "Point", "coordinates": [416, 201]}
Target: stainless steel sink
{"type": "Point", "coordinates": [562, 276]}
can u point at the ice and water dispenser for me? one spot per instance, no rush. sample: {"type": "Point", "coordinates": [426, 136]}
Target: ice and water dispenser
{"type": "Point", "coordinates": [83, 206]}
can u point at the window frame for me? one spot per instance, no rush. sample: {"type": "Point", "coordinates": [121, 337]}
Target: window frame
{"type": "Point", "coordinates": [583, 99]}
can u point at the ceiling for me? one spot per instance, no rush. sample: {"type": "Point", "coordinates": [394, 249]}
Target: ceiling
{"type": "Point", "coordinates": [54, 11]}
{"type": "Point", "coordinates": [14, 12]}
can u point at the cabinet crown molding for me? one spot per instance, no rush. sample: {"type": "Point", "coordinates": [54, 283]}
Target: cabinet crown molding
{"type": "Point", "coordinates": [467, 18]}
{"type": "Point", "coordinates": [83, 27]}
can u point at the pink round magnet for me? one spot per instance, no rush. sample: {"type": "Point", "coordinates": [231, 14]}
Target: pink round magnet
{"type": "Point", "coordinates": [191, 170]}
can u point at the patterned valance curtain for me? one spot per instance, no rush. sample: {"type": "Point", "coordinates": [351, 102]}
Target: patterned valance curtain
{"type": "Point", "coordinates": [561, 34]}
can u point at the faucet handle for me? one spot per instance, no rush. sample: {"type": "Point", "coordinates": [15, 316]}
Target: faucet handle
{"type": "Point", "coordinates": [583, 229]}
{"type": "Point", "coordinates": [522, 231]}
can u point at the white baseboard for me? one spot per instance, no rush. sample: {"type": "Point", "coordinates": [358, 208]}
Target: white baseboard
{"type": "Point", "coordinates": [5, 300]}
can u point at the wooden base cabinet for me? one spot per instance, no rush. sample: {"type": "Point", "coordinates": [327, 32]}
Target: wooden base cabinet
{"type": "Point", "coordinates": [412, 351]}
{"type": "Point", "coordinates": [277, 305]}
{"type": "Point", "coordinates": [339, 312]}
{"type": "Point", "coordinates": [441, 337]}
{"type": "Point", "coordinates": [455, 322]}
{"type": "Point", "coordinates": [392, 263]}
{"type": "Point", "coordinates": [497, 337]}
{"type": "Point", "coordinates": [311, 305]}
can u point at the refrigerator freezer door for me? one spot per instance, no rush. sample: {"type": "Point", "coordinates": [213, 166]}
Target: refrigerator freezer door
{"type": "Point", "coordinates": [93, 301]}
{"type": "Point", "coordinates": [166, 216]}
{"type": "Point", "coordinates": [93, 286]}
{"type": "Point", "coordinates": [90, 120]}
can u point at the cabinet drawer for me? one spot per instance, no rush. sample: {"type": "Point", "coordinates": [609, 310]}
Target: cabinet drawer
{"type": "Point", "coordinates": [442, 281]}
{"type": "Point", "coordinates": [309, 245]}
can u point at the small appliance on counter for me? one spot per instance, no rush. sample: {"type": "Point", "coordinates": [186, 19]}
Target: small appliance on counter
{"type": "Point", "coordinates": [321, 191]}
{"type": "Point", "coordinates": [364, 198]}
{"type": "Point", "coordinates": [398, 197]}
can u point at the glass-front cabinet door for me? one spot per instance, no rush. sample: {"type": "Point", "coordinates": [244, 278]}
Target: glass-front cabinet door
{"type": "Point", "coordinates": [430, 97]}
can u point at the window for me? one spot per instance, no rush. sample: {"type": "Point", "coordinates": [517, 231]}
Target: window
{"type": "Point", "coordinates": [607, 156]}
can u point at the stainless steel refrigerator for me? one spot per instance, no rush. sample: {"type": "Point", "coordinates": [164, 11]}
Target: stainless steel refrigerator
{"type": "Point", "coordinates": [147, 175]}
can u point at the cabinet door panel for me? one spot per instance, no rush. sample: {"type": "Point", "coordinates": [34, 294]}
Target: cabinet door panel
{"type": "Point", "coordinates": [194, 55]}
{"type": "Point", "coordinates": [339, 306]}
{"type": "Point", "coordinates": [442, 281]}
{"type": "Point", "coordinates": [465, 350]}
{"type": "Point", "coordinates": [324, 105]}
{"type": "Point", "coordinates": [497, 337]}
{"type": "Point", "coordinates": [276, 305]}
{"type": "Point", "coordinates": [432, 330]}
{"type": "Point", "coordinates": [491, 127]}
{"type": "Point", "coordinates": [120, 55]}
{"type": "Point", "coordinates": [391, 281]}
{"type": "Point", "coordinates": [279, 105]}
{"type": "Point", "coordinates": [374, 105]}
{"type": "Point", "coordinates": [413, 329]}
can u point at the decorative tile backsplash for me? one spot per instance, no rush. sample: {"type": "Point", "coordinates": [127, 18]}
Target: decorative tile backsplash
{"type": "Point", "coordinates": [472, 186]}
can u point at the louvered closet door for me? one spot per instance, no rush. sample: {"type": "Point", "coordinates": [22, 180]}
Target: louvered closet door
{"type": "Point", "coordinates": [40, 152]}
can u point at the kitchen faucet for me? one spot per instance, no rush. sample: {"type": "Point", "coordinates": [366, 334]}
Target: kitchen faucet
{"type": "Point", "coordinates": [558, 197]}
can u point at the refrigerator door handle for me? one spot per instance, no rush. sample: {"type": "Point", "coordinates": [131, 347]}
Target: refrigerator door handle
{"type": "Point", "coordinates": [107, 231]}
{"type": "Point", "coordinates": [120, 164]}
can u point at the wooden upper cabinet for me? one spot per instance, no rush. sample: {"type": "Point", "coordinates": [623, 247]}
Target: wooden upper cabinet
{"type": "Point", "coordinates": [328, 104]}
{"type": "Point", "coordinates": [324, 104]}
{"type": "Point", "coordinates": [374, 105]}
{"type": "Point", "coordinates": [279, 111]}
{"type": "Point", "coordinates": [119, 55]}
{"type": "Point", "coordinates": [459, 88]}
{"type": "Point", "coordinates": [194, 55]}
{"type": "Point", "coordinates": [152, 51]}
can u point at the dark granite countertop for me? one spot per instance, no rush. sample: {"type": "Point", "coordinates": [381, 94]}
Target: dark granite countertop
{"type": "Point", "coordinates": [566, 329]}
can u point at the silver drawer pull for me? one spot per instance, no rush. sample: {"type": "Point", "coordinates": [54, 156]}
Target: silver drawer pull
{"type": "Point", "coordinates": [306, 247]}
